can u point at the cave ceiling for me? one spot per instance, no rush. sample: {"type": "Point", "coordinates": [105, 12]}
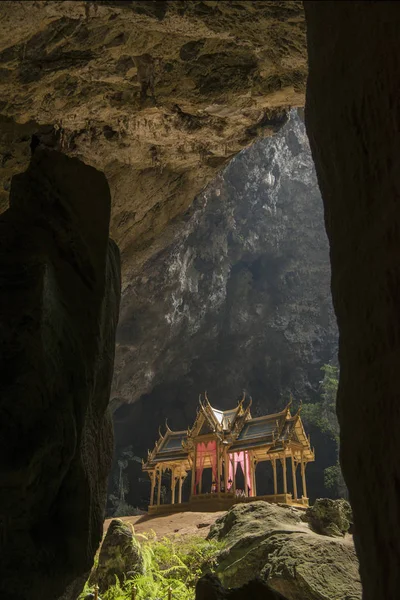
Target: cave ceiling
{"type": "Point", "coordinates": [159, 95]}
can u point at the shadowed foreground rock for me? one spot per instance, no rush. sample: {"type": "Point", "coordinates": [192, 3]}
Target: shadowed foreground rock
{"type": "Point", "coordinates": [273, 543]}
{"type": "Point", "coordinates": [59, 300]}
{"type": "Point", "coordinates": [209, 588]}
{"type": "Point", "coordinates": [352, 118]}
{"type": "Point", "coordinates": [120, 556]}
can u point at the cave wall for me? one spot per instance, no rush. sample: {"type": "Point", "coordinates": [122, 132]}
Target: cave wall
{"type": "Point", "coordinates": [59, 300]}
{"type": "Point", "coordinates": [352, 115]}
{"type": "Point", "coordinates": [240, 300]}
{"type": "Point", "coordinates": [158, 95]}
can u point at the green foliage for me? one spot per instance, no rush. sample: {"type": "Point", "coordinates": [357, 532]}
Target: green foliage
{"type": "Point", "coordinates": [169, 563]}
{"type": "Point", "coordinates": [123, 509]}
{"type": "Point", "coordinates": [322, 414]}
{"type": "Point", "coordinates": [332, 477]}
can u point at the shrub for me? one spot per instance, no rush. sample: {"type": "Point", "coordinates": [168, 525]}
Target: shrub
{"type": "Point", "coordinates": [168, 563]}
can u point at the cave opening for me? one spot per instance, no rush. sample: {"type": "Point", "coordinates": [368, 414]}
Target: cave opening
{"type": "Point", "coordinates": [240, 301]}
{"type": "Point", "coordinates": [114, 116]}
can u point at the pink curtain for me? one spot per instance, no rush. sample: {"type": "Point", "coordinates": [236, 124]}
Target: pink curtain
{"type": "Point", "coordinates": [238, 458]}
{"type": "Point", "coordinates": [202, 452]}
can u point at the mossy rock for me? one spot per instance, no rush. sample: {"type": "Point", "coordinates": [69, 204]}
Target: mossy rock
{"type": "Point", "coordinates": [330, 517]}
{"type": "Point", "coordinates": [120, 554]}
{"type": "Point", "coordinates": [275, 544]}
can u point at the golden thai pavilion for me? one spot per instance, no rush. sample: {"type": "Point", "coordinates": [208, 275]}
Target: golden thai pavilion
{"type": "Point", "coordinates": [229, 443]}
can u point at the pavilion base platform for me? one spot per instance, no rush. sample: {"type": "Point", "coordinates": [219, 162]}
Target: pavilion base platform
{"type": "Point", "coordinates": [221, 501]}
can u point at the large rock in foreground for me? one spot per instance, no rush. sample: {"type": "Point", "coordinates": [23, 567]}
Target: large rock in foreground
{"type": "Point", "coordinates": [120, 556]}
{"type": "Point", "coordinates": [59, 297]}
{"type": "Point", "coordinates": [273, 542]}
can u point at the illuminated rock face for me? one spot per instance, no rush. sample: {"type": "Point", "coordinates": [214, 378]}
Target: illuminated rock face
{"type": "Point", "coordinates": [158, 95]}
{"type": "Point", "coordinates": [240, 300]}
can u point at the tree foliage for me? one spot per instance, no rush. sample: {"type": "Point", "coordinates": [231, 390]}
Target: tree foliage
{"type": "Point", "coordinates": [322, 414]}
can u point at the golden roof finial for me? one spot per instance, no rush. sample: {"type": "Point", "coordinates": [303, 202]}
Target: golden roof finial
{"type": "Point", "coordinates": [289, 404]}
{"type": "Point", "coordinates": [300, 407]}
{"type": "Point", "coordinates": [166, 426]}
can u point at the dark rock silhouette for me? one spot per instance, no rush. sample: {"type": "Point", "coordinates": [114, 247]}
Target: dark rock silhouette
{"type": "Point", "coordinates": [352, 117]}
{"type": "Point", "coordinates": [59, 300]}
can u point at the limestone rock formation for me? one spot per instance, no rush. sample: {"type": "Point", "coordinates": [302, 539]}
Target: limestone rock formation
{"type": "Point", "coordinates": [120, 556]}
{"type": "Point", "coordinates": [352, 119]}
{"type": "Point", "coordinates": [273, 542]}
{"type": "Point", "coordinates": [330, 517]}
{"type": "Point", "coordinates": [59, 298]}
{"type": "Point", "coordinates": [160, 96]}
{"type": "Point", "coordinates": [240, 300]}
{"type": "Point", "coordinates": [157, 94]}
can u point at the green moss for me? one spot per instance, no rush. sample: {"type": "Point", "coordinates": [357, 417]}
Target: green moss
{"type": "Point", "coordinates": [169, 563]}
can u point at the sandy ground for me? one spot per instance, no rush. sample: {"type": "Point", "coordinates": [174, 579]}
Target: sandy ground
{"type": "Point", "coordinates": [184, 523]}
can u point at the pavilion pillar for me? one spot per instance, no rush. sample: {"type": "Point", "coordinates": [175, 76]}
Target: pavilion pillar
{"type": "Point", "coordinates": [275, 477]}
{"type": "Point", "coordinates": [234, 473]}
{"type": "Point", "coordinates": [218, 486]}
{"type": "Point", "coordinates": [283, 461]}
{"type": "Point", "coordinates": [294, 467]}
{"type": "Point", "coordinates": [303, 477]}
{"type": "Point", "coordinates": [246, 487]}
{"type": "Point", "coordinates": [159, 474]}
{"type": "Point", "coordinates": [254, 483]}
{"type": "Point", "coordinates": [226, 470]}
{"type": "Point", "coordinates": [173, 485]}
{"type": "Point", "coordinates": [153, 483]}
{"type": "Point", "coordinates": [181, 480]}
{"type": "Point", "coordinates": [193, 482]}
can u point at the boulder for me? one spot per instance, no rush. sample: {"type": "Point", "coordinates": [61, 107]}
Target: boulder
{"type": "Point", "coordinates": [209, 588]}
{"type": "Point", "coordinates": [330, 517]}
{"type": "Point", "coordinates": [120, 554]}
{"type": "Point", "coordinates": [274, 543]}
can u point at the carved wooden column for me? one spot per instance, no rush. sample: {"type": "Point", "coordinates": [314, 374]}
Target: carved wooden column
{"type": "Point", "coordinates": [254, 467]}
{"type": "Point", "coordinates": [283, 461]}
{"type": "Point", "coordinates": [218, 482]}
{"type": "Point", "coordinates": [173, 485]}
{"type": "Point", "coordinates": [303, 477]}
{"type": "Point", "coordinates": [153, 483]}
{"type": "Point", "coordinates": [226, 470]}
{"type": "Point", "coordinates": [159, 474]}
{"type": "Point", "coordinates": [181, 480]}
{"type": "Point", "coordinates": [193, 482]}
{"type": "Point", "coordinates": [246, 487]}
{"type": "Point", "coordinates": [294, 467]}
{"type": "Point", "coordinates": [275, 477]}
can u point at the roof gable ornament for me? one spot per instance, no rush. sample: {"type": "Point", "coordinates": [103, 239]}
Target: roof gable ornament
{"type": "Point", "coordinates": [299, 408]}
